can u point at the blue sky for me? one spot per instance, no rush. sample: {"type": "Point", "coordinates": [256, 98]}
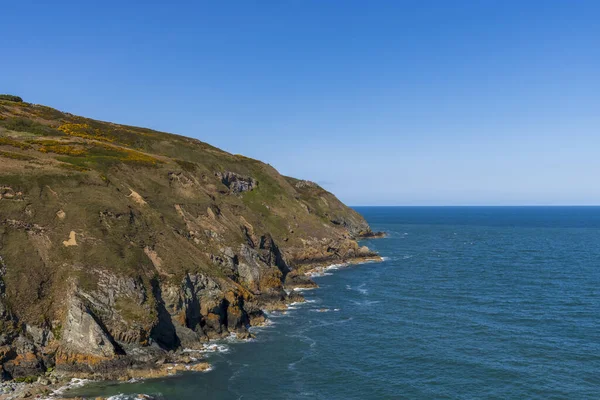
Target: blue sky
{"type": "Point", "coordinates": [382, 102]}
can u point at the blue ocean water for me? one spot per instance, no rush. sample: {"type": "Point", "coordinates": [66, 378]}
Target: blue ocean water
{"type": "Point", "coordinates": [470, 303]}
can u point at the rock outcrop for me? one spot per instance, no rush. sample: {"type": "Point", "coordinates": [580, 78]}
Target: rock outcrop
{"type": "Point", "coordinates": [83, 334]}
{"type": "Point", "coordinates": [237, 183]}
{"type": "Point", "coordinates": [121, 246]}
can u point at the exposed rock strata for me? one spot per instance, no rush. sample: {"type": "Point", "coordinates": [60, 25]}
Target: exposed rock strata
{"type": "Point", "coordinates": [122, 246]}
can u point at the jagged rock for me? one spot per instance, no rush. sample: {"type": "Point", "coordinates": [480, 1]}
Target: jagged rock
{"type": "Point", "coordinates": [236, 182]}
{"type": "Point", "coordinates": [369, 234]}
{"type": "Point", "coordinates": [82, 333]}
{"type": "Point", "coordinates": [304, 183]}
{"type": "Point", "coordinates": [41, 337]}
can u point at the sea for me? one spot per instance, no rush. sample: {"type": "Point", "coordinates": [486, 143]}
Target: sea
{"type": "Point", "coordinates": [469, 303]}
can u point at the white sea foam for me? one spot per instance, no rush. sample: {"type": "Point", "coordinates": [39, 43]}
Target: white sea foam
{"type": "Point", "coordinates": [365, 302]}
{"type": "Point", "coordinates": [209, 348]}
{"type": "Point", "coordinates": [122, 396]}
{"type": "Point", "coordinates": [362, 289]}
{"type": "Point", "coordinates": [323, 271]}
{"type": "Point", "coordinates": [299, 289]}
{"type": "Point", "coordinates": [318, 274]}
{"type": "Point", "coordinates": [267, 324]}
{"type": "Point", "coordinates": [74, 383]}
{"type": "Point", "coordinates": [273, 314]}
{"type": "Point", "coordinates": [137, 396]}
{"type": "Point", "coordinates": [233, 338]}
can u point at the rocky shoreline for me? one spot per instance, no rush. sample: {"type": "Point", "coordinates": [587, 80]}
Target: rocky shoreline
{"type": "Point", "coordinates": [54, 385]}
{"type": "Point", "coordinates": [320, 270]}
{"type": "Point", "coordinates": [121, 246]}
{"type": "Point", "coordinates": [371, 235]}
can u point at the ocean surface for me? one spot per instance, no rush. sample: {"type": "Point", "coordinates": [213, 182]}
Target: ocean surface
{"type": "Point", "coordinates": [470, 303]}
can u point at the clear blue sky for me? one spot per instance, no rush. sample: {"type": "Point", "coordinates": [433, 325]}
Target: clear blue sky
{"type": "Point", "coordinates": [382, 102]}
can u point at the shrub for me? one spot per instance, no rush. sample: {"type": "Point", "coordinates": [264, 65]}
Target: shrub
{"type": "Point", "coordinates": [73, 167]}
{"type": "Point", "coordinates": [6, 141]}
{"type": "Point", "coordinates": [85, 131]}
{"type": "Point", "coordinates": [18, 124]}
{"type": "Point", "coordinates": [26, 379]}
{"type": "Point", "coordinates": [16, 156]}
{"type": "Point", "coordinates": [10, 97]}
{"type": "Point", "coordinates": [65, 149]}
{"type": "Point", "coordinates": [186, 165]}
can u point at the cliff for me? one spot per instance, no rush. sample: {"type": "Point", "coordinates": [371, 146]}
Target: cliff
{"type": "Point", "coordinates": [120, 246]}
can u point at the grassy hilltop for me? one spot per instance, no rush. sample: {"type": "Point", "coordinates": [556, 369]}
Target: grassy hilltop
{"type": "Point", "coordinates": [117, 241]}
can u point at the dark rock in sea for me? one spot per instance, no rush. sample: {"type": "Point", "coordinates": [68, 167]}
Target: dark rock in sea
{"type": "Point", "coordinates": [371, 235]}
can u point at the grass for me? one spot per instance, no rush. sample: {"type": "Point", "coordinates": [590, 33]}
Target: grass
{"type": "Point", "coordinates": [77, 163]}
{"type": "Point", "coordinates": [73, 167]}
{"type": "Point", "coordinates": [96, 154]}
{"type": "Point", "coordinates": [26, 379]}
{"type": "Point", "coordinates": [20, 124]}
{"type": "Point", "coordinates": [186, 165]}
{"type": "Point", "coordinates": [47, 113]}
{"type": "Point", "coordinates": [16, 156]}
{"type": "Point", "coordinates": [112, 133]}
{"type": "Point", "coordinates": [84, 131]}
{"type": "Point", "coordinates": [64, 149]}
{"type": "Point", "coordinates": [134, 312]}
{"type": "Point", "coordinates": [6, 141]}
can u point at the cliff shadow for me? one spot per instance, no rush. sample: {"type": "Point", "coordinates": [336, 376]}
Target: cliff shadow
{"type": "Point", "coordinates": [164, 332]}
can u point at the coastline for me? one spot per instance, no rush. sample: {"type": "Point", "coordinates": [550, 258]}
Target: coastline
{"type": "Point", "coordinates": [54, 387]}
{"type": "Point", "coordinates": [322, 270]}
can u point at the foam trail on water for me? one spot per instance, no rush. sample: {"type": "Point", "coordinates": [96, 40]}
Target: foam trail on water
{"type": "Point", "coordinates": [74, 383]}
{"type": "Point", "coordinates": [209, 348]}
{"type": "Point", "coordinates": [362, 289]}
{"type": "Point", "coordinates": [303, 289]}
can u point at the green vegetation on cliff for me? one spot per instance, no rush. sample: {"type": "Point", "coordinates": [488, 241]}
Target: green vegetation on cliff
{"type": "Point", "coordinates": [120, 237]}
{"type": "Point", "coordinates": [10, 97]}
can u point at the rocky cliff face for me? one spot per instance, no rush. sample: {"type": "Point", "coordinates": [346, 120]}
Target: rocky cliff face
{"type": "Point", "coordinates": [119, 245]}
